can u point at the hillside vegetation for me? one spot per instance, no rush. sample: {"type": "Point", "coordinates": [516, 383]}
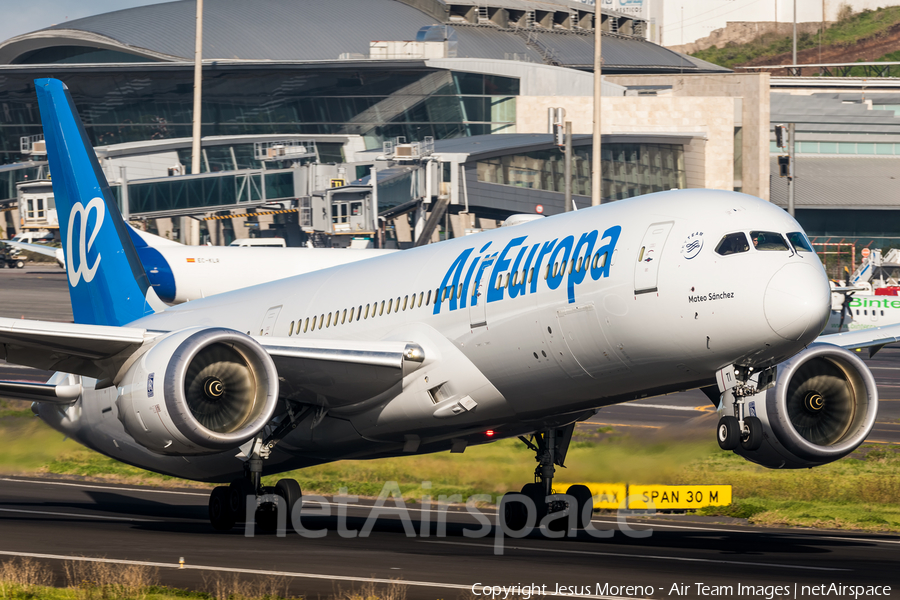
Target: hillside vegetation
{"type": "Point", "coordinates": [871, 29]}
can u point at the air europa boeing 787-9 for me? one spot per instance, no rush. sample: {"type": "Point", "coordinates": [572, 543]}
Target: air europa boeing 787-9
{"type": "Point", "coordinates": [521, 330]}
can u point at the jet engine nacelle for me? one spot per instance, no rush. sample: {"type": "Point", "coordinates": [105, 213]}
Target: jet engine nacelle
{"type": "Point", "coordinates": [198, 391]}
{"type": "Point", "coordinates": [821, 408]}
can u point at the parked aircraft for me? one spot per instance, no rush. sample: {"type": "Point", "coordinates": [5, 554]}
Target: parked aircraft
{"type": "Point", "coordinates": [517, 331]}
{"type": "Point", "coordinates": [180, 273]}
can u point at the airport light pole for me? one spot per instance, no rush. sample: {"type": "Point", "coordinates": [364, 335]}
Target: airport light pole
{"type": "Point", "coordinates": [791, 182]}
{"type": "Point", "coordinates": [198, 75]}
{"type": "Point", "coordinates": [193, 237]}
{"type": "Point", "coordinates": [596, 164]}
{"type": "Point", "coordinates": [795, 35]}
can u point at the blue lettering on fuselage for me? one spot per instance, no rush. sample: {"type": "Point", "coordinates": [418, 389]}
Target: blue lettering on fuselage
{"type": "Point", "coordinates": [568, 260]}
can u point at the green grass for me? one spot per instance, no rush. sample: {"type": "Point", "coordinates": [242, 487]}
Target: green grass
{"type": "Point", "coordinates": [844, 33]}
{"type": "Point", "coordinates": [858, 492]}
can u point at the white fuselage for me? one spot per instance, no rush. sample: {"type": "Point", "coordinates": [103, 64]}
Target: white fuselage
{"type": "Point", "coordinates": [662, 312]}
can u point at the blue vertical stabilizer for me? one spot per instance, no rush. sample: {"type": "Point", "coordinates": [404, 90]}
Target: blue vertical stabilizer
{"type": "Point", "coordinates": [107, 283]}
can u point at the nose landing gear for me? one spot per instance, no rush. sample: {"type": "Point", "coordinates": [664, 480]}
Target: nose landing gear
{"type": "Point", "coordinates": [537, 504]}
{"type": "Point", "coordinates": [742, 429]}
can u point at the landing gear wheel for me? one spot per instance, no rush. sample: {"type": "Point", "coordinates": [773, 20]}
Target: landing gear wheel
{"type": "Point", "coordinates": [289, 489]}
{"type": "Point", "coordinates": [240, 489]}
{"type": "Point", "coordinates": [220, 514]}
{"type": "Point", "coordinates": [267, 513]}
{"type": "Point", "coordinates": [515, 514]}
{"type": "Point", "coordinates": [728, 433]}
{"type": "Point", "coordinates": [20, 264]}
{"type": "Point", "coordinates": [535, 491]}
{"type": "Point", "coordinates": [753, 437]}
{"type": "Point", "coordinates": [583, 499]}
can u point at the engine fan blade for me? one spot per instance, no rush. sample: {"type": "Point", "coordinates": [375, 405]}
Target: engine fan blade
{"type": "Point", "coordinates": [820, 402]}
{"type": "Point", "coordinates": [220, 388]}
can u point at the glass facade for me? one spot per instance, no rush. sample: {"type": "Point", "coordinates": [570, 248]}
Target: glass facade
{"type": "Point", "coordinates": [207, 193]}
{"type": "Point", "coordinates": [151, 101]}
{"type": "Point", "coordinates": [628, 170]}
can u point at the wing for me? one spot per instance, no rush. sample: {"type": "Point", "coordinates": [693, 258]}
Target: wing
{"type": "Point", "coordinates": [333, 373]}
{"type": "Point", "coordinates": [874, 338]}
{"type": "Point", "coordinates": [56, 253]}
{"type": "Point", "coordinates": [95, 351]}
{"type": "Point", "coordinates": [340, 373]}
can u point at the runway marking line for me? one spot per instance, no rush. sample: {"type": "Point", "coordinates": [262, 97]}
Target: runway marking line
{"type": "Point", "coordinates": [589, 423]}
{"type": "Point", "coordinates": [57, 514]}
{"type": "Point", "coordinates": [116, 561]}
{"type": "Point", "coordinates": [647, 556]}
{"type": "Point", "coordinates": [703, 408]}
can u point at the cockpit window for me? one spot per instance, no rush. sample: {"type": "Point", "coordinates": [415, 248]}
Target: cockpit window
{"type": "Point", "coordinates": [799, 242]}
{"type": "Point", "coordinates": [769, 240]}
{"type": "Point", "coordinates": [733, 243]}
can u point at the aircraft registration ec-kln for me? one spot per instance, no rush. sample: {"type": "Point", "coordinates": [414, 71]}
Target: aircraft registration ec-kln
{"type": "Point", "coordinates": [520, 330]}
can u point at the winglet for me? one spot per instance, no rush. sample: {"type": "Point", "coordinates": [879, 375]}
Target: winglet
{"type": "Point", "coordinates": [107, 284]}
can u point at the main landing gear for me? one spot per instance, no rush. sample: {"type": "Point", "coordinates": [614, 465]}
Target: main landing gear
{"type": "Point", "coordinates": [742, 429]}
{"type": "Point", "coordinates": [550, 447]}
{"type": "Point", "coordinates": [228, 504]}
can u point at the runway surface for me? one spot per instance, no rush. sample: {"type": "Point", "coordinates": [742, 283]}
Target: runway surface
{"type": "Point", "coordinates": [58, 520]}
{"type": "Point", "coordinates": [52, 520]}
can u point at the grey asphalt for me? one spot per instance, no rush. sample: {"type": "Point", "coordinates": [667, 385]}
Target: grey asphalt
{"type": "Point", "coordinates": [59, 520]}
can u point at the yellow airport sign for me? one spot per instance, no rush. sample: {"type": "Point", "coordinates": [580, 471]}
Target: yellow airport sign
{"type": "Point", "coordinates": [606, 495]}
{"type": "Point", "coordinates": [668, 497]}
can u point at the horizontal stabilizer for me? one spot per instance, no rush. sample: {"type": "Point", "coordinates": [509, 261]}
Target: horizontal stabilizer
{"type": "Point", "coordinates": [96, 351]}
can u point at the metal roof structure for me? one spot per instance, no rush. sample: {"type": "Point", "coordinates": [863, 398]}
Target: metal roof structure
{"type": "Point", "coordinates": [554, 32]}
{"type": "Point", "coordinates": [840, 182]}
{"type": "Point", "coordinates": [833, 113]}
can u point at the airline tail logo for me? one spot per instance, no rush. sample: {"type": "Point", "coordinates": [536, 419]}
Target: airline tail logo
{"type": "Point", "coordinates": [77, 262]}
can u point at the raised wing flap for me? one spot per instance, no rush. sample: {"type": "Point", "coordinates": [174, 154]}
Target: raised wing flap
{"type": "Point", "coordinates": [94, 351]}
{"type": "Point", "coordinates": [340, 373]}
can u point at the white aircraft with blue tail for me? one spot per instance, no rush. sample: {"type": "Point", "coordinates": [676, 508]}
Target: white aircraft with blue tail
{"type": "Point", "coordinates": [518, 331]}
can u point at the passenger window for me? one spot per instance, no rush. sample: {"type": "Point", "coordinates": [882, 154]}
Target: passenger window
{"type": "Point", "coordinates": [397, 306]}
{"type": "Point", "coordinates": [291, 330]}
{"type": "Point", "coordinates": [531, 275]}
{"type": "Point", "coordinates": [641, 254]}
{"type": "Point", "coordinates": [571, 265]}
{"type": "Point", "coordinates": [857, 312]}
{"type": "Point", "coordinates": [328, 324]}
{"type": "Point", "coordinates": [352, 312]}
{"type": "Point", "coordinates": [733, 243]}
{"type": "Point", "coordinates": [882, 313]}
{"type": "Point", "coordinates": [344, 317]}
{"type": "Point", "coordinates": [381, 310]}
{"type": "Point", "coordinates": [547, 272]}
{"type": "Point", "coordinates": [578, 265]}
{"type": "Point", "coordinates": [769, 241]}
{"type": "Point", "coordinates": [866, 313]}
{"type": "Point", "coordinates": [799, 241]}
{"type": "Point", "coordinates": [306, 325]}
{"type": "Point", "coordinates": [428, 300]}
{"type": "Point", "coordinates": [515, 278]}
{"type": "Point", "coordinates": [314, 323]}
{"type": "Point", "coordinates": [405, 301]}
{"type": "Point", "coordinates": [367, 311]}
{"type": "Point", "coordinates": [359, 312]}
{"type": "Point", "coordinates": [390, 304]}
{"type": "Point", "coordinates": [421, 298]}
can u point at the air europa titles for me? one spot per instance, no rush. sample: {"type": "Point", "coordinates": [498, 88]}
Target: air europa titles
{"type": "Point", "coordinates": [519, 257]}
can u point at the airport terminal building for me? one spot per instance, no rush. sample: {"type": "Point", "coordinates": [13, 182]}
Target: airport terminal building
{"type": "Point", "coordinates": [346, 79]}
